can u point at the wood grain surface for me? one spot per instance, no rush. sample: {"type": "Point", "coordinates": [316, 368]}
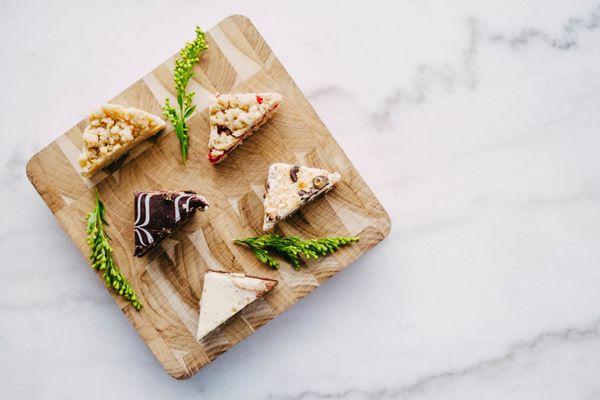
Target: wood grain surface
{"type": "Point", "coordinates": [169, 280]}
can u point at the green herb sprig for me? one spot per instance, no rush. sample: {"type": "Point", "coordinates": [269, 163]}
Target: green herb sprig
{"type": "Point", "coordinates": [292, 248]}
{"type": "Point", "coordinates": [189, 56]}
{"type": "Point", "coordinates": [101, 255]}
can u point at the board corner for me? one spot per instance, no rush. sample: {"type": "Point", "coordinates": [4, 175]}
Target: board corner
{"type": "Point", "coordinates": [31, 169]}
{"type": "Point", "coordinates": [387, 224]}
{"type": "Point", "coordinates": [237, 17]}
{"type": "Point", "coordinates": [179, 374]}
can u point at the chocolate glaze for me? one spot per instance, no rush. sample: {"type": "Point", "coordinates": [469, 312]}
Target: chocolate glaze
{"type": "Point", "coordinates": [157, 214]}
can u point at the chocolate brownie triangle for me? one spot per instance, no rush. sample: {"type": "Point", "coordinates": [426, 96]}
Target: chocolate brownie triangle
{"type": "Point", "coordinates": [157, 214]}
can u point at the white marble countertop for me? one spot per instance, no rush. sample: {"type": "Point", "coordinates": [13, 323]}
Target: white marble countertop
{"type": "Point", "coordinates": [486, 115]}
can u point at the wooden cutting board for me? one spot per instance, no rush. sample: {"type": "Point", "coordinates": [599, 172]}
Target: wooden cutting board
{"type": "Point", "coordinates": [169, 280]}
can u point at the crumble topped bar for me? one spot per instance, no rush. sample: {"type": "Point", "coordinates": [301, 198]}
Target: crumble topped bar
{"type": "Point", "coordinates": [233, 117]}
{"type": "Point", "coordinates": [114, 130]}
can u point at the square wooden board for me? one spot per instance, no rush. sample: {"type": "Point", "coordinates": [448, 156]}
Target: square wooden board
{"type": "Point", "coordinates": [169, 280]}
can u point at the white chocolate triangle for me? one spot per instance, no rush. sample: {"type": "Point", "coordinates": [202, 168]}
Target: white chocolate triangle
{"type": "Point", "coordinates": [226, 294]}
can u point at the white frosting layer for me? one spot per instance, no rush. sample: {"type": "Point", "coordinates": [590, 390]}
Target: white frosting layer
{"type": "Point", "coordinates": [225, 294]}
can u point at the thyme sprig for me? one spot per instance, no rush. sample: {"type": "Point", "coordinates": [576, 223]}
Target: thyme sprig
{"type": "Point", "coordinates": [184, 65]}
{"type": "Point", "coordinates": [101, 255]}
{"type": "Point", "coordinates": [292, 248]}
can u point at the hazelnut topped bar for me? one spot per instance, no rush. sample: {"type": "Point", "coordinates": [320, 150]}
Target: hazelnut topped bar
{"type": "Point", "coordinates": [291, 186]}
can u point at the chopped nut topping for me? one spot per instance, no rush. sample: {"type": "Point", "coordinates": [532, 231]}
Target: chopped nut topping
{"type": "Point", "coordinates": [223, 129]}
{"type": "Point", "coordinates": [320, 181]}
{"type": "Point", "coordinates": [294, 173]}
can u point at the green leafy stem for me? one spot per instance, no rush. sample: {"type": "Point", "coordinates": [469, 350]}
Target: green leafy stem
{"type": "Point", "coordinates": [292, 248]}
{"type": "Point", "coordinates": [101, 255]}
{"type": "Point", "coordinates": [184, 70]}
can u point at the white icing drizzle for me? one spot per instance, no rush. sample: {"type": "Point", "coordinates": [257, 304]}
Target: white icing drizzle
{"type": "Point", "coordinates": [177, 215]}
{"type": "Point", "coordinates": [139, 228]}
{"type": "Point", "coordinates": [187, 204]}
{"type": "Point", "coordinates": [139, 209]}
{"type": "Point", "coordinates": [137, 234]}
{"type": "Point", "coordinates": [148, 235]}
{"type": "Point", "coordinates": [147, 209]}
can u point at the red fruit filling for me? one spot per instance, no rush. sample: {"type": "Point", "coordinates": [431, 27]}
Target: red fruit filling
{"type": "Point", "coordinates": [215, 159]}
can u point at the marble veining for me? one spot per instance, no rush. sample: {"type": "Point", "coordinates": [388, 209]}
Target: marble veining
{"type": "Point", "coordinates": [475, 123]}
{"type": "Point", "coordinates": [588, 332]}
{"type": "Point", "coordinates": [464, 75]}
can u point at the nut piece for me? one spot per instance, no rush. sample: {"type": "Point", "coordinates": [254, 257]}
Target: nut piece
{"type": "Point", "coordinates": [294, 173]}
{"type": "Point", "coordinates": [272, 216]}
{"type": "Point", "coordinates": [223, 129]}
{"type": "Point", "coordinates": [320, 181]}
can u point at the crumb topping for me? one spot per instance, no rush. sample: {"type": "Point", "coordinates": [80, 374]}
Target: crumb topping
{"type": "Point", "coordinates": [111, 128]}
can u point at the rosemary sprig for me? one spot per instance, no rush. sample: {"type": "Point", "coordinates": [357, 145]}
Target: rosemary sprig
{"type": "Point", "coordinates": [101, 255]}
{"type": "Point", "coordinates": [184, 65]}
{"type": "Point", "coordinates": [293, 248]}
